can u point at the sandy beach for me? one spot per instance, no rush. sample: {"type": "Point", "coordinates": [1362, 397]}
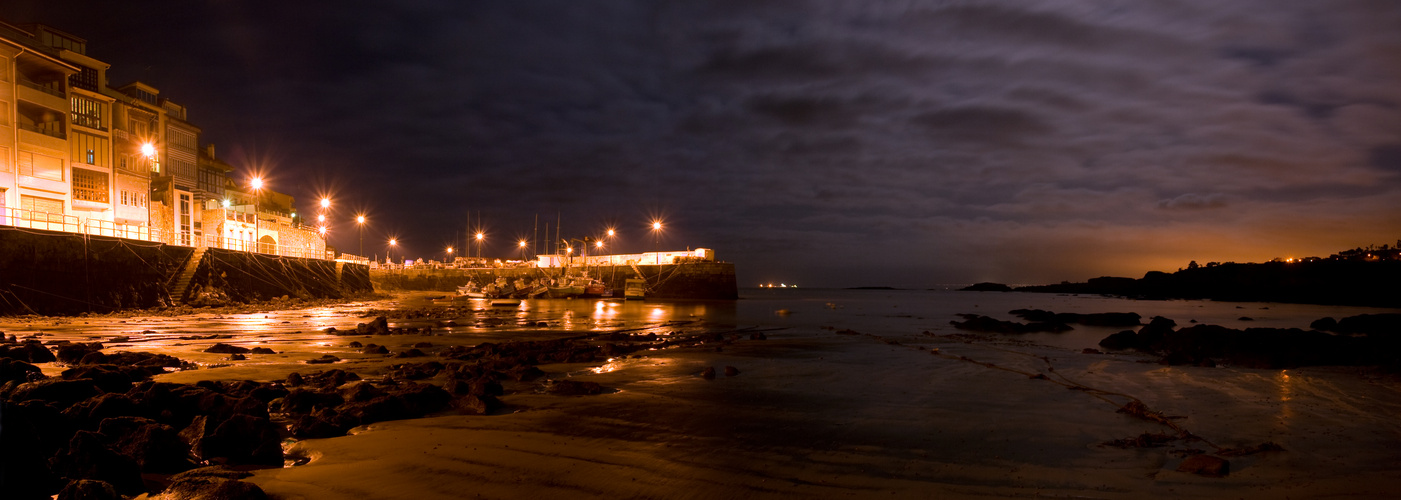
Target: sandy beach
{"type": "Point", "coordinates": [847, 400]}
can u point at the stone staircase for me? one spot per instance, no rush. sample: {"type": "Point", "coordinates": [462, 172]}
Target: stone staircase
{"type": "Point", "coordinates": [181, 285]}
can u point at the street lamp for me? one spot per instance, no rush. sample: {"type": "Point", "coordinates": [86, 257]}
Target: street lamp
{"type": "Point", "coordinates": [389, 256]}
{"type": "Point", "coordinates": [360, 226]}
{"type": "Point", "coordinates": [325, 203]}
{"type": "Point", "coordinates": [257, 184]}
{"type": "Point", "coordinates": [521, 244]}
{"type": "Point", "coordinates": [449, 257]}
{"type": "Point", "coordinates": [480, 235]}
{"type": "Point", "coordinates": [656, 241]}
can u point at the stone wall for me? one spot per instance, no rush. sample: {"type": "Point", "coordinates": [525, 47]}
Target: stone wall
{"type": "Point", "coordinates": [250, 277]}
{"type": "Point", "coordinates": [697, 280]}
{"type": "Point", "coordinates": [48, 272]}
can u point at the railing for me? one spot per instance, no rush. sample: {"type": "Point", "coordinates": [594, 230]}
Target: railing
{"type": "Point", "coordinates": [41, 87]}
{"type": "Point", "coordinates": [31, 219]}
{"type": "Point", "coordinates": [58, 134]}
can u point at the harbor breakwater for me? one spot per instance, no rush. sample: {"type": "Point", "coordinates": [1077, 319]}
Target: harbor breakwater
{"type": "Point", "coordinates": [690, 280]}
{"type": "Point", "coordinates": [59, 273]}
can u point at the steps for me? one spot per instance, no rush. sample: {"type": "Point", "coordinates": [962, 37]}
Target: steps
{"type": "Point", "coordinates": [181, 285]}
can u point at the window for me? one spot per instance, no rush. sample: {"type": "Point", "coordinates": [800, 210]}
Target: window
{"type": "Point", "coordinates": [90, 149]}
{"type": "Point", "coordinates": [87, 112]}
{"type": "Point", "coordinates": [41, 166]}
{"type": "Point", "coordinates": [4, 159]}
{"type": "Point", "coordinates": [37, 204]}
{"type": "Point", "coordinates": [89, 185]}
{"type": "Point", "coordinates": [181, 137]}
{"type": "Point", "coordinates": [4, 69]}
{"type": "Point", "coordinates": [4, 111]}
{"type": "Point", "coordinates": [86, 80]}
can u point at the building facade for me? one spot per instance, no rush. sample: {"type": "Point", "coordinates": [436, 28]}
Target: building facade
{"type": "Point", "coordinates": [79, 155]}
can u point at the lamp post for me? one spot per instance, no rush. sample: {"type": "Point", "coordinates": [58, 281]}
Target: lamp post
{"type": "Point", "coordinates": [148, 151]}
{"type": "Point", "coordinates": [257, 184]}
{"type": "Point", "coordinates": [521, 244]}
{"type": "Point", "coordinates": [449, 257]}
{"type": "Point", "coordinates": [656, 241]}
{"type": "Point", "coordinates": [480, 236]}
{"type": "Point", "coordinates": [389, 256]}
{"type": "Point", "coordinates": [360, 226]}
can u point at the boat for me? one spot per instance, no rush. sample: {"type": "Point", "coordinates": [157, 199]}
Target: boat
{"type": "Point", "coordinates": [471, 291]}
{"type": "Point", "coordinates": [596, 288]}
{"type": "Point", "coordinates": [635, 289]}
{"type": "Point", "coordinates": [505, 302]}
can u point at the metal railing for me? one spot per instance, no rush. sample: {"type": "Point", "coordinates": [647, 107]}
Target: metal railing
{"type": "Point", "coordinates": [58, 134]}
{"type": "Point", "coordinates": [31, 219]}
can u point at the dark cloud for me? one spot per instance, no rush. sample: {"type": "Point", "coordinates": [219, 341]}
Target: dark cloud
{"type": "Point", "coordinates": [831, 143]}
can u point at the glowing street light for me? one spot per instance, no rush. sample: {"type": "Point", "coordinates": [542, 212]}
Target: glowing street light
{"type": "Point", "coordinates": [257, 184]}
{"type": "Point", "coordinates": [392, 243]}
{"type": "Point", "coordinates": [521, 244]}
{"type": "Point", "coordinates": [360, 225]}
{"type": "Point", "coordinates": [480, 236]}
{"type": "Point", "coordinates": [320, 217]}
{"type": "Point", "coordinates": [656, 241]}
{"type": "Point", "coordinates": [325, 203]}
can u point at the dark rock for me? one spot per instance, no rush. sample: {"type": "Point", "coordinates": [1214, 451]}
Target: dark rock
{"type": "Point", "coordinates": [476, 404]}
{"type": "Point", "coordinates": [411, 353]}
{"type": "Point", "coordinates": [30, 433]}
{"type": "Point", "coordinates": [314, 427]}
{"type": "Point", "coordinates": [29, 351]}
{"type": "Point", "coordinates": [380, 326]}
{"type": "Point", "coordinates": [306, 401]}
{"type": "Point", "coordinates": [294, 379]}
{"type": "Point", "coordinates": [1388, 324]}
{"type": "Point", "coordinates": [262, 350]}
{"type": "Point", "coordinates": [88, 457]}
{"type": "Point", "coordinates": [1246, 318]}
{"type": "Point", "coordinates": [84, 489]}
{"type": "Point", "coordinates": [355, 345]}
{"type": "Point", "coordinates": [237, 357]}
{"type": "Point", "coordinates": [92, 411]}
{"type": "Point", "coordinates": [708, 373]}
{"type": "Point", "coordinates": [1091, 319]}
{"type": "Point", "coordinates": [576, 388]}
{"type": "Point", "coordinates": [323, 360]}
{"type": "Point", "coordinates": [1126, 339]}
{"type": "Point", "coordinates": [212, 483]}
{"type": "Point", "coordinates": [112, 378]}
{"type": "Point", "coordinates": [222, 348]}
{"type": "Point", "coordinates": [331, 378]}
{"type": "Point", "coordinates": [132, 358]}
{"type": "Point", "coordinates": [363, 391]}
{"type": "Point", "coordinates": [155, 447]}
{"type": "Point", "coordinates": [72, 353]}
{"type": "Point", "coordinates": [1151, 335]}
{"type": "Point", "coordinates": [1089, 350]}
{"type": "Point", "coordinates": [423, 345]}
{"type": "Point", "coordinates": [758, 336]}
{"type": "Point", "coordinates": [731, 371]}
{"type": "Point", "coordinates": [243, 439]}
{"type": "Point", "coordinates": [416, 371]}
{"type": "Point", "coordinates": [1205, 465]}
{"type": "Point", "coordinates": [523, 373]}
{"type": "Point", "coordinates": [19, 371]}
{"type": "Point", "coordinates": [986, 287]}
{"type": "Point", "coordinates": [63, 392]}
{"type": "Point", "coordinates": [375, 349]}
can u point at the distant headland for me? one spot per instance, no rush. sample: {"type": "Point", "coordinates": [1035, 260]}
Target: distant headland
{"type": "Point", "coordinates": [1368, 276]}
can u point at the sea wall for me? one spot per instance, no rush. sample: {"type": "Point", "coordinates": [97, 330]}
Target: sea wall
{"type": "Point", "coordinates": [250, 277]}
{"type": "Point", "coordinates": [50, 272]}
{"type": "Point", "coordinates": [692, 280]}
{"type": "Point", "coordinates": [58, 273]}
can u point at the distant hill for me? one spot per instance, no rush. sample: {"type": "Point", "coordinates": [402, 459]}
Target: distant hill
{"type": "Point", "coordinates": [1374, 283]}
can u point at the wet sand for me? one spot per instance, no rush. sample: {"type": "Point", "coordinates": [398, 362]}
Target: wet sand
{"type": "Point", "coordinates": [813, 412]}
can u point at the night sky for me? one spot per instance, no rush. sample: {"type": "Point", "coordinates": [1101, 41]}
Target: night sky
{"type": "Point", "coordinates": [818, 143]}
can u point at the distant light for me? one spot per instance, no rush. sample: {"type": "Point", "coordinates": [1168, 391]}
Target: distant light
{"type": "Point", "coordinates": [257, 183]}
{"type": "Point", "coordinates": [325, 203]}
{"type": "Point", "coordinates": [360, 219]}
{"type": "Point", "coordinates": [321, 229]}
{"type": "Point", "coordinates": [656, 226]}
{"type": "Point", "coordinates": [568, 249]}
{"type": "Point", "coordinates": [449, 249]}
{"type": "Point", "coordinates": [598, 244]}
{"type": "Point", "coordinates": [480, 236]}
{"type": "Point", "coordinates": [522, 243]}
{"type": "Point", "coordinates": [611, 232]}
{"type": "Point", "coordinates": [393, 241]}
{"type": "Point", "coordinates": [294, 215]}
{"type": "Point", "coordinates": [321, 217]}
{"type": "Point", "coordinates": [148, 150]}
{"type": "Point", "coordinates": [226, 203]}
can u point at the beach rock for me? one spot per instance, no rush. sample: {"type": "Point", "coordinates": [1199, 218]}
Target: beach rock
{"type": "Point", "coordinates": [314, 427]}
{"type": "Point", "coordinates": [380, 326]}
{"type": "Point", "coordinates": [374, 349]}
{"type": "Point", "coordinates": [84, 489]}
{"type": "Point", "coordinates": [576, 388]}
{"type": "Point", "coordinates": [1152, 334]}
{"type": "Point", "coordinates": [18, 371]}
{"type": "Point", "coordinates": [156, 447]}
{"type": "Point", "coordinates": [731, 371]}
{"type": "Point", "coordinates": [92, 411]}
{"type": "Point", "coordinates": [1386, 324]}
{"type": "Point", "coordinates": [222, 348]}
{"type": "Point", "coordinates": [330, 379]}
{"type": "Point", "coordinates": [476, 404]}
{"type": "Point", "coordinates": [355, 345]}
{"type": "Point", "coordinates": [363, 391]}
{"type": "Point", "coordinates": [74, 352]}
{"type": "Point", "coordinates": [411, 353]}
{"type": "Point", "coordinates": [243, 439]}
{"type": "Point", "coordinates": [262, 350]}
{"type": "Point", "coordinates": [323, 360]}
{"type": "Point", "coordinates": [523, 373]}
{"type": "Point", "coordinates": [306, 401]}
{"type": "Point", "coordinates": [132, 358]}
{"type": "Point", "coordinates": [211, 483]}
{"type": "Point", "coordinates": [708, 373]}
{"type": "Point", "coordinates": [986, 287]}
{"type": "Point", "coordinates": [112, 378]}
{"type": "Point", "coordinates": [1090, 319]}
{"type": "Point", "coordinates": [1205, 465]}
{"type": "Point", "coordinates": [29, 351]}
{"type": "Point", "coordinates": [1325, 324]}
{"type": "Point", "coordinates": [415, 371]}
{"type": "Point", "coordinates": [88, 457]}
{"type": "Point", "coordinates": [758, 336]}
{"type": "Point", "coordinates": [63, 392]}
{"type": "Point", "coordinates": [30, 433]}
{"type": "Point", "coordinates": [980, 323]}
{"type": "Point", "coordinates": [237, 357]}
{"type": "Point", "coordinates": [1126, 339]}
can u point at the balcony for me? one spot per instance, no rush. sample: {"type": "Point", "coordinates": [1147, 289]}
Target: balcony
{"type": "Point", "coordinates": [52, 88]}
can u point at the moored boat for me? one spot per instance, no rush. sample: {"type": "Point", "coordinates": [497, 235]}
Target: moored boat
{"type": "Point", "coordinates": [635, 289]}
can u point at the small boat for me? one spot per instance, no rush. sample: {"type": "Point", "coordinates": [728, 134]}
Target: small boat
{"type": "Point", "coordinates": [635, 289]}
{"type": "Point", "coordinates": [505, 302]}
{"type": "Point", "coordinates": [471, 291]}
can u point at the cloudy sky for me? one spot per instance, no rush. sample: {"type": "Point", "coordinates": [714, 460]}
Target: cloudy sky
{"type": "Point", "coordinates": [823, 143]}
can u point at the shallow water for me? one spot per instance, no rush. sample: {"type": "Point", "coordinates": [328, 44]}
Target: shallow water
{"type": "Point", "coordinates": [843, 399]}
